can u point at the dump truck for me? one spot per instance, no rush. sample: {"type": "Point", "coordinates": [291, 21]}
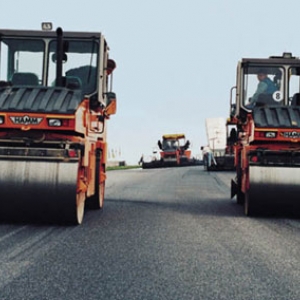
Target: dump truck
{"type": "Point", "coordinates": [219, 153]}
{"type": "Point", "coordinates": [266, 109]}
{"type": "Point", "coordinates": [55, 99]}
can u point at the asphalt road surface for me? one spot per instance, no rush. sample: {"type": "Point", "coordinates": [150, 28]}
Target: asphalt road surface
{"type": "Point", "coordinates": [170, 233]}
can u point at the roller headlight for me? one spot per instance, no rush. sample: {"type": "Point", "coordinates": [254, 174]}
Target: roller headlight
{"type": "Point", "coordinates": [54, 122]}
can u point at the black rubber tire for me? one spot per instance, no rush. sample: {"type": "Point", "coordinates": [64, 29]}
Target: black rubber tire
{"type": "Point", "coordinates": [97, 200]}
{"type": "Point", "coordinates": [250, 206]}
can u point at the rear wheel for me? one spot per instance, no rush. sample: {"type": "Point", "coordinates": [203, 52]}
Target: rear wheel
{"type": "Point", "coordinates": [75, 216]}
{"type": "Point", "coordinates": [97, 200]}
{"type": "Point", "coordinates": [101, 195]}
{"type": "Point", "coordinates": [250, 207]}
{"type": "Point", "coordinates": [240, 196]}
{"type": "Point", "coordinates": [80, 199]}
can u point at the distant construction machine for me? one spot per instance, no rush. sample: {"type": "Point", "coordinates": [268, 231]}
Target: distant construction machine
{"type": "Point", "coordinates": [267, 151]}
{"type": "Point", "coordinates": [174, 152]}
{"type": "Point", "coordinates": [219, 153]}
{"type": "Point", "coordinates": [55, 100]}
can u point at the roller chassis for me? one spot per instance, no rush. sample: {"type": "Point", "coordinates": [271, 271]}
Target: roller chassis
{"type": "Point", "coordinates": [267, 151]}
{"type": "Point", "coordinates": [53, 138]}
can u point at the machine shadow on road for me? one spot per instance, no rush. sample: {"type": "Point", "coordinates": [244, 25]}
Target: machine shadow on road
{"type": "Point", "coordinates": [223, 207]}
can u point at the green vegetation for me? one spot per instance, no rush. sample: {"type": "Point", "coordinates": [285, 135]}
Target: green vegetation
{"type": "Point", "coordinates": [122, 168]}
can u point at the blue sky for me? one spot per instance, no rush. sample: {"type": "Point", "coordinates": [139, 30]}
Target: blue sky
{"type": "Point", "coordinates": [176, 60]}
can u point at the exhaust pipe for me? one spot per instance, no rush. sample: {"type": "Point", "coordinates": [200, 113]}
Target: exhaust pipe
{"type": "Point", "coordinates": [59, 56]}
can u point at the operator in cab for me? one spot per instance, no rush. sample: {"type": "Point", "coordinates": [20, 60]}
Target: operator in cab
{"type": "Point", "coordinates": [265, 86]}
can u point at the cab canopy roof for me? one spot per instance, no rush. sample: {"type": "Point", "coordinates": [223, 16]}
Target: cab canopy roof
{"type": "Point", "coordinates": [286, 58]}
{"type": "Point", "coordinates": [173, 136]}
{"type": "Point", "coordinates": [48, 34]}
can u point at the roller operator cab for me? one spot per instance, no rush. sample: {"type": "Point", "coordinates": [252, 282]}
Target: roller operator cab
{"type": "Point", "coordinates": [55, 100]}
{"type": "Point", "coordinates": [267, 149]}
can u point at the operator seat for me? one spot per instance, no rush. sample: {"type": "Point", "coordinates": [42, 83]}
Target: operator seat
{"type": "Point", "coordinates": [24, 78]}
{"type": "Point", "coordinates": [73, 82]}
{"type": "Point", "coordinates": [265, 100]}
{"type": "Point", "coordinates": [87, 75]}
{"type": "Point", "coordinates": [296, 99]}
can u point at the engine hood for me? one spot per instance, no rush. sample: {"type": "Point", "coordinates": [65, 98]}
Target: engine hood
{"type": "Point", "coordinates": [277, 117]}
{"type": "Point", "coordinates": [39, 99]}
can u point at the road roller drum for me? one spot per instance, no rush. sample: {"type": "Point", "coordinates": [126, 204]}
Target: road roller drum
{"type": "Point", "coordinates": [270, 187]}
{"type": "Point", "coordinates": [39, 190]}
{"type": "Point", "coordinates": [266, 111]}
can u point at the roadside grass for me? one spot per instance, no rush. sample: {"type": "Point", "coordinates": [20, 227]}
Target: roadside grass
{"type": "Point", "coordinates": [122, 167]}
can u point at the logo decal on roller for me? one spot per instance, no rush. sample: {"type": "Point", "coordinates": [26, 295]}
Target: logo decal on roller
{"type": "Point", "coordinates": [291, 134]}
{"type": "Point", "coordinates": [26, 120]}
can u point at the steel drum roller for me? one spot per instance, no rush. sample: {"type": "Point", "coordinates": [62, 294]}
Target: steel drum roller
{"type": "Point", "coordinates": [274, 184]}
{"type": "Point", "coordinates": [38, 189]}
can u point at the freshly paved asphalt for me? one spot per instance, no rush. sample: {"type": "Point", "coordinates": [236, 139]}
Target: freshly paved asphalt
{"type": "Point", "coordinates": [170, 233]}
